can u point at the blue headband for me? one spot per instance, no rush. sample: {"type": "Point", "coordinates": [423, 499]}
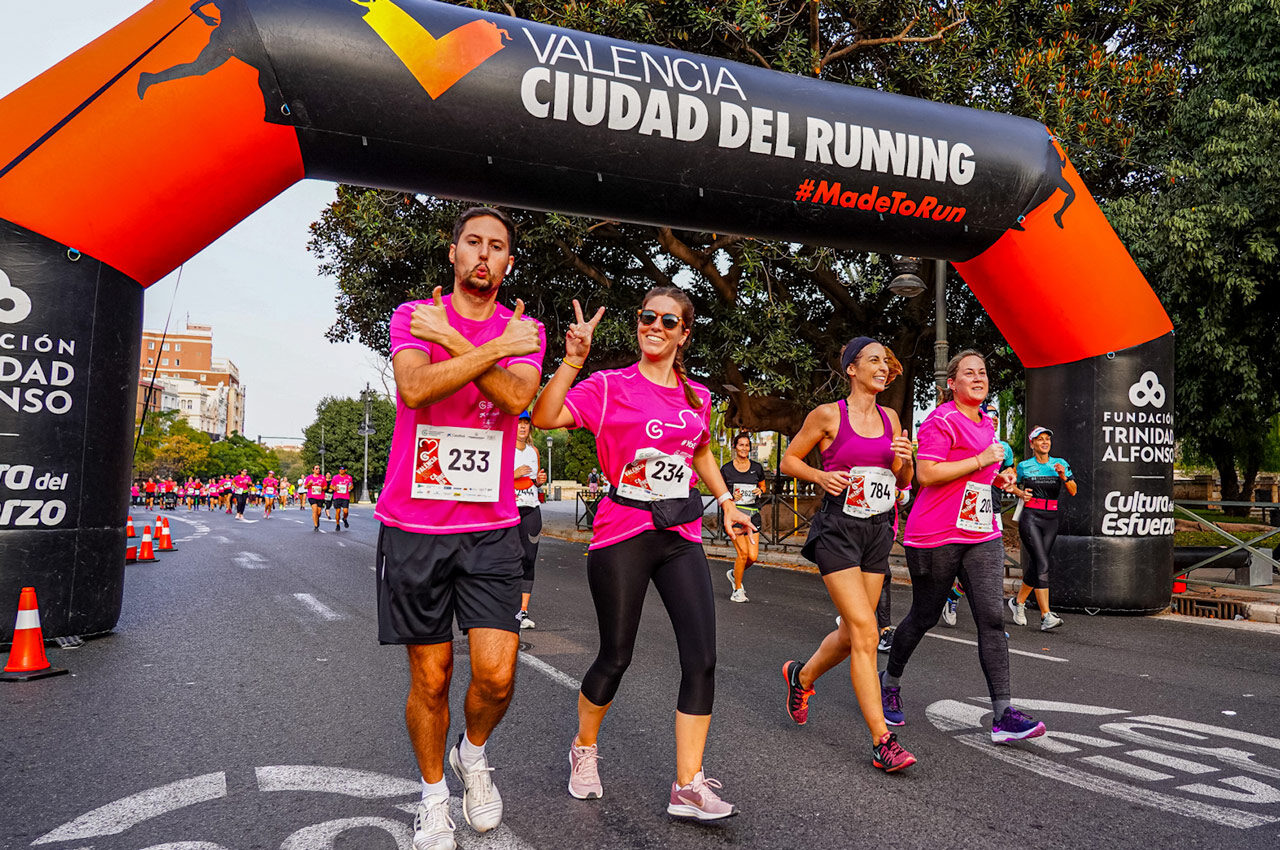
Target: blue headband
{"type": "Point", "coordinates": [851, 351]}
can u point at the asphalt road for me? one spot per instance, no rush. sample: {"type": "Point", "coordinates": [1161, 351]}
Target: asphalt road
{"type": "Point", "coordinates": [244, 702]}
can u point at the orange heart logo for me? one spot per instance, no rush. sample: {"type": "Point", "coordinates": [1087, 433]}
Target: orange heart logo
{"type": "Point", "coordinates": [436, 63]}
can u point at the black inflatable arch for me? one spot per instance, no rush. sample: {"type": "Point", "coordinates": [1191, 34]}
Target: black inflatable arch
{"type": "Point", "coordinates": [135, 152]}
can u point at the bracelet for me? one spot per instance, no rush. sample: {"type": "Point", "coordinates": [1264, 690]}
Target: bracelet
{"type": "Point", "coordinates": [566, 361]}
{"type": "Point", "coordinates": [724, 497]}
{"type": "Point", "coordinates": [978, 461]}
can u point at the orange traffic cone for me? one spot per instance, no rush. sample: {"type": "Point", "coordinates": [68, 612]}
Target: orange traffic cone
{"type": "Point", "coordinates": [27, 659]}
{"type": "Point", "coordinates": [1180, 584]}
{"type": "Point", "coordinates": [131, 555]}
{"type": "Point", "coordinates": [145, 550]}
{"type": "Point", "coordinates": [165, 543]}
{"type": "Point", "coordinates": [128, 529]}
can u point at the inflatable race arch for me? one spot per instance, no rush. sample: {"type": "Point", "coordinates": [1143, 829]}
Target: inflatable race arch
{"type": "Point", "coordinates": [138, 150]}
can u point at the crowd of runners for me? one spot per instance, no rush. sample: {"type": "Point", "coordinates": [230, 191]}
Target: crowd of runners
{"type": "Point", "coordinates": [329, 494]}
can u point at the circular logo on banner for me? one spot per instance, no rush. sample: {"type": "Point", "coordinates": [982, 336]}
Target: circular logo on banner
{"type": "Point", "coordinates": [15, 305]}
{"type": "Point", "coordinates": [1183, 767]}
{"type": "Point", "coordinates": [1147, 390]}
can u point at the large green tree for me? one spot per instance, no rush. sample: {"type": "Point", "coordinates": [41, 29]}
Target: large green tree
{"type": "Point", "coordinates": [773, 316]}
{"type": "Point", "coordinates": [1208, 237]}
{"type": "Point", "coordinates": [336, 428]}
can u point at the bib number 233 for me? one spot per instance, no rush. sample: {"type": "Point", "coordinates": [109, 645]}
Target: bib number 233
{"type": "Point", "coordinates": [459, 464]}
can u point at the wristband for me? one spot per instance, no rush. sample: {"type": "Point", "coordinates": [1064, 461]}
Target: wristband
{"type": "Point", "coordinates": [566, 361]}
{"type": "Point", "coordinates": [724, 497]}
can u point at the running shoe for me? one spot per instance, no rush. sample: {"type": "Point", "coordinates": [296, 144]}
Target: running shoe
{"type": "Point", "coordinates": [733, 583]}
{"type": "Point", "coordinates": [1013, 725]}
{"type": "Point", "coordinates": [584, 773]}
{"type": "Point", "coordinates": [699, 800]}
{"type": "Point", "coordinates": [317, 528]}
{"type": "Point", "coordinates": [432, 827]}
{"type": "Point", "coordinates": [337, 526]}
{"type": "Point", "coordinates": [739, 595]}
{"type": "Point", "coordinates": [1019, 611]}
{"type": "Point", "coordinates": [526, 622]}
{"type": "Point", "coordinates": [346, 523]}
{"type": "Point", "coordinates": [889, 756]}
{"type": "Point", "coordinates": [797, 697]}
{"type": "Point", "coordinates": [481, 802]}
{"type": "Point", "coordinates": [891, 702]}
{"type": "Point", "coordinates": [949, 612]}
{"type": "Point", "coordinates": [886, 639]}
{"type": "Point", "coordinates": [1050, 621]}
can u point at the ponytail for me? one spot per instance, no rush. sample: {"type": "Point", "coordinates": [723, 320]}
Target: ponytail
{"type": "Point", "coordinates": [689, 395]}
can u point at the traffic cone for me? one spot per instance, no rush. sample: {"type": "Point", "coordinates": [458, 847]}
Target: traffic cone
{"type": "Point", "coordinates": [27, 659]}
{"type": "Point", "coordinates": [165, 543]}
{"type": "Point", "coordinates": [1180, 584]}
{"type": "Point", "coordinates": [128, 529]}
{"type": "Point", "coordinates": [145, 550]}
{"type": "Point", "coordinates": [131, 555]}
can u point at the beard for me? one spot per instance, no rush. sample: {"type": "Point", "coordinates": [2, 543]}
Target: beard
{"type": "Point", "coordinates": [481, 285]}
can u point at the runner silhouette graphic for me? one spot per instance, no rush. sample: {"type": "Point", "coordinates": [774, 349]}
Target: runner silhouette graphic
{"type": "Point", "coordinates": [232, 36]}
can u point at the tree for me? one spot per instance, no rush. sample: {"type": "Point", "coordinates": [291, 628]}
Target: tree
{"type": "Point", "coordinates": [237, 452]}
{"type": "Point", "coordinates": [773, 316]}
{"type": "Point", "coordinates": [168, 445]}
{"type": "Point", "coordinates": [335, 429]}
{"type": "Point", "coordinates": [1208, 238]}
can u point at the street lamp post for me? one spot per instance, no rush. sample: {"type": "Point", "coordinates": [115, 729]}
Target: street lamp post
{"type": "Point", "coordinates": [549, 479]}
{"type": "Point", "coordinates": [322, 450]}
{"type": "Point", "coordinates": [940, 352]}
{"type": "Point", "coordinates": [367, 397]}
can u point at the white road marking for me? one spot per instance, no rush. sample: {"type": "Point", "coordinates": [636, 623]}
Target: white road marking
{"type": "Point", "coordinates": [1118, 790]}
{"type": "Point", "coordinates": [1123, 768]}
{"type": "Point", "coordinates": [250, 561]}
{"type": "Point", "coordinates": [556, 675]}
{"type": "Point", "coordinates": [1172, 762]}
{"type": "Point", "coordinates": [1012, 651]}
{"type": "Point", "coordinates": [1136, 729]}
{"type": "Point", "coordinates": [115, 818]}
{"type": "Point", "coordinates": [501, 838]}
{"type": "Point", "coordinates": [1251, 790]}
{"type": "Point", "coordinates": [334, 780]}
{"type": "Point", "coordinates": [324, 611]}
{"type": "Point", "coordinates": [1056, 742]}
{"type": "Point", "coordinates": [1068, 707]}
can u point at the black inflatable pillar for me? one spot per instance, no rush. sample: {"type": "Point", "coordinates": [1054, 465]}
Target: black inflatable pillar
{"type": "Point", "coordinates": [70, 332]}
{"type": "Point", "coordinates": [1112, 420]}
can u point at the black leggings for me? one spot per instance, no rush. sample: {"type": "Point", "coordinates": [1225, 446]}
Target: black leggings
{"type": "Point", "coordinates": [980, 567]}
{"type": "Point", "coordinates": [530, 534]}
{"type": "Point", "coordinates": [1037, 530]}
{"type": "Point", "coordinates": [619, 576]}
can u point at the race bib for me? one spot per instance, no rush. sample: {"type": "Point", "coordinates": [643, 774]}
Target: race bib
{"type": "Point", "coordinates": [654, 476]}
{"type": "Point", "coordinates": [458, 464]}
{"type": "Point", "coordinates": [872, 491]}
{"type": "Point", "coordinates": [976, 513]}
{"type": "Point", "coordinates": [744, 494]}
{"type": "Point", "coordinates": [340, 489]}
{"type": "Point", "coordinates": [270, 491]}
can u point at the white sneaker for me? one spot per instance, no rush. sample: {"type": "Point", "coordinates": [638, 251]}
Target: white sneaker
{"type": "Point", "coordinates": [729, 575]}
{"type": "Point", "coordinates": [739, 595]}
{"type": "Point", "coordinates": [1050, 621]}
{"type": "Point", "coordinates": [432, 827]}
{"type": "Point", "coordinates": [481, 802]}
{"type": "Point", "coordinates": [584, 772]}
{"type": "Point", "coordinates": [526, 622]}
{"type": "Point", "coordinates": [949, 612]}
{"type": "Point", "coordinates": [1019, 611]}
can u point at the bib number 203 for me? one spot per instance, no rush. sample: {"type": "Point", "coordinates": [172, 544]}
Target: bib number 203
{"type": "Point", "coordinates": [467, 460]}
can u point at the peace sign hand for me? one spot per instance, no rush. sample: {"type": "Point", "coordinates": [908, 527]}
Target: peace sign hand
{"type": "Point", "coordinates": [577, 340]}
{"type": "Point", "coordinates": [430, 321]}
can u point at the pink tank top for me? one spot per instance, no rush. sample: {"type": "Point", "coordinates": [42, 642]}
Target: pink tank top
{"type": "Point", "coordinates": [850, 449]}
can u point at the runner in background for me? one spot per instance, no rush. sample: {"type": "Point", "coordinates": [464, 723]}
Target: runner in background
{"type": "Point", "coordinates": [952, 532]}
{"type": "Point", "coordinates": [1041, 480]}
{"type": "Point", "coordinates": [314, 486]}
{"type": "Point", "coordinates": [652, 435]}
{"type": "Point", "coordinates": [302, 493]}
{"type": "Point", "coordinates": [269, 487]}
{"type": "Point", "coordinates": [240, 487]}
{"type": "Point", "coordinates": [340, 489]}
{"type": "Point", "coordinates": [149, 488]}
{"type": "Point", "coordinates": [328, 495]}
{"type": "Point", "coordinates": [528, 474]}
{"type": "Point", "coordinates": [746, 479]}
{"type": "Point", "coordinates": [866, 459]}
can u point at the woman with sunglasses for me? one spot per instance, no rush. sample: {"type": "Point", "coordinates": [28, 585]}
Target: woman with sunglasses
{"type": "Point", "coordinates": [653, 439]}
{"type": "Point", "coordinates": [866, 459]}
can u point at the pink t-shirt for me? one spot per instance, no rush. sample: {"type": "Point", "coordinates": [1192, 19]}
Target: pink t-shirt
{"type": "Point", "coordinates": [627, 412]}
{"type": "Point", "coordinates": [341, 485]}
{"type": "Point", "coordinates": [269, 485]}
{"type": "Point", "coordinates": [466, 408]}
{"type": "Point", "coordinates": [947, 435]}
{"type": "Point", "coordinates": [242, 483]}
{"type": "Point", "coordinates": [314, 485]}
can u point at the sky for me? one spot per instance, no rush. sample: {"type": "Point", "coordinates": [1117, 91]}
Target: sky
{"type": "Point", "coordinates": [256, 285]}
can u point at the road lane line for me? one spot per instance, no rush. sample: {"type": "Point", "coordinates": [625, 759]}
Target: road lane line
{"type": "Point", "coordinates": [1173, 762]}
{"type": "Point", "coordinates": [115, 818]}
{"type": "Point", "coordinates": [250, 561]}
{"type": "Point", "coordinates": [1123, 768]}
{"type": "Point", "coordinates": [1013, 651]}
{"type": "Point", "coordinates": [318, 607]}
{"type": "Point", "coordinates": [334, 780]}
{"type": "Point", "coordinates": [556, 675]}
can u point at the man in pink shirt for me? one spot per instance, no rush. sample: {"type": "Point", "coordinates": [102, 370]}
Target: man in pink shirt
{"type": "Point", "coordinates": [314, 486]}
{"type": "Point", "coordinates": [465, 368]}
{"type": "Point", "coordinates": [341, 487]}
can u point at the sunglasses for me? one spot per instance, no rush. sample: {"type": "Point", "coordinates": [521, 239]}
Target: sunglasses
{"type": "Point", "coordinates": [669, 320]}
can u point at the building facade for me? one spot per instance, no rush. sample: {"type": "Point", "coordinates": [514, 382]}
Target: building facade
{"type": "Point", "coordinates": [206, 390]}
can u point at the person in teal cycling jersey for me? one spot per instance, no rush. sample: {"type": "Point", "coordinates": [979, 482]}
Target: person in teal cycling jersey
{"type": "Point", "coordinates": [1040, 481]}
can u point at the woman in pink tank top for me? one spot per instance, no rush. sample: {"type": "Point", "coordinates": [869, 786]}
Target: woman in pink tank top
{"type": "Point", "coordinates": [866, 458]}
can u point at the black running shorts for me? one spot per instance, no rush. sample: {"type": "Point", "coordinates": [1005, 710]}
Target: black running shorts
{"type": "Point", "coordinates": [838, 541]}
{"type": "Point", "coordinates": [426, 580]}
{"type": "Point", "coordinates": [341, 503]}
{"type": "Point", "coordinates": [316, 501]}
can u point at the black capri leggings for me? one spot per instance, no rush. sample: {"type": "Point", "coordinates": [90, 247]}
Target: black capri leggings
{"type": "Point", "coordinates": [241, 499]}
{"type": "Point", "coordinates": [980, 568]}
{"type": "Point", "coordinates": [530, 534]}
{"type": "Point", "coordinates": [619, 576]}
{"type": "Point", "coordinates": [1037, 530]}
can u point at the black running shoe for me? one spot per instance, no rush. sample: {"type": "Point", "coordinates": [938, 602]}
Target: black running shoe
{"type": "Point", "coordinates": [797, 697]}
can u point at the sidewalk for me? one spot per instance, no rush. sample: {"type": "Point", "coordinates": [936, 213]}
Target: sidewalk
{"type": "Point", "coordinates": [1258, 604]}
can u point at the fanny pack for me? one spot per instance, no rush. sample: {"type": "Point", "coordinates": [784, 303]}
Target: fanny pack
{"type": "Point", "coordinates": [666, 512]}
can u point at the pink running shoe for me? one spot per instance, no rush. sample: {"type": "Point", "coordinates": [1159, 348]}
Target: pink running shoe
{"type": "Point", "coordinates": [584, 773]}
{"type": "Point", "coordinates": [699, 800]}
{"type": "Point", "coordinates": [889, 756]}
{"type": "Point", "coordinates": [797, 696]}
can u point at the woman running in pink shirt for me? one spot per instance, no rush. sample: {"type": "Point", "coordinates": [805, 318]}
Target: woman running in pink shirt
{"type": "Point", "coordinates": [653, 440]}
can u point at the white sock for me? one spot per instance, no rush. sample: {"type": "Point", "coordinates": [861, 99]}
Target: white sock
{"type": "Point", "coordinates": [468, 753]}
{"type": "Point", "coordinates": [434, 789]}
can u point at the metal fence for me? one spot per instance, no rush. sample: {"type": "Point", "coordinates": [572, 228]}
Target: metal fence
{"type": "Point", "coordinates": [1267, 513]}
